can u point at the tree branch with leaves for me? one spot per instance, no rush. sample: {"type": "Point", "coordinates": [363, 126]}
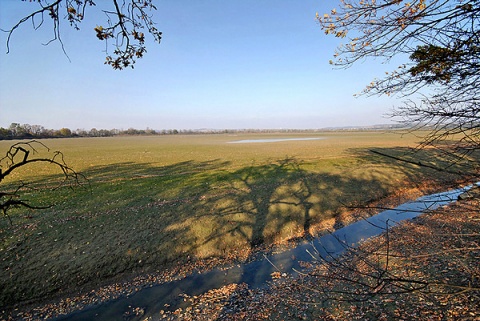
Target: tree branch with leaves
{"type": "Point", "coordinates": [125, 25]}
{"type": "Point", "coordinates": [440, 42]}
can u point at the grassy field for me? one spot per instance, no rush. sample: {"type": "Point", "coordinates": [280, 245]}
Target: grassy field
{"type": "Point", "coordinates": [155, 202]}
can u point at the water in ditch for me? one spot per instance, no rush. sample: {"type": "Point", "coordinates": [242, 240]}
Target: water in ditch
{"type": "Point", "coordinates": [256, 274]}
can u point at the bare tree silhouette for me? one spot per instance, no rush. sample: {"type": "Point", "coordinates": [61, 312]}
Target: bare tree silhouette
{"type": "Point", "coordinates": [21, 155]}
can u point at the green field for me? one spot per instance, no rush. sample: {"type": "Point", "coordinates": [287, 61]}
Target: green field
{"type": "Point", "coordinates": [152, 203]}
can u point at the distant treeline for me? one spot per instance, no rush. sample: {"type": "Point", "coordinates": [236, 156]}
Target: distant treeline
{"type": "Point", "coordinates": [26, 131]}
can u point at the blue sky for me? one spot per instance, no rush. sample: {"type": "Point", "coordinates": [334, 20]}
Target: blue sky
{"type": "Point", "coordinates": [221, 64]}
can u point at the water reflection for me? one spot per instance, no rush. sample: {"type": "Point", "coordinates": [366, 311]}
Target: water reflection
{"type": "Point", "coordinates": [273, 140]}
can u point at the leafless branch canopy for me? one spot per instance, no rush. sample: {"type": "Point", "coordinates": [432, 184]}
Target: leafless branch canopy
{"type": "Point", "coordinates": [380, 270]}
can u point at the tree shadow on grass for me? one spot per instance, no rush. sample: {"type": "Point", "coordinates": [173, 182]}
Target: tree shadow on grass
{"type": "Point", "coordinates": [263, 204]}
{"type": "Point", "coordinates": [142, 218]}
{"type": "Point", "coordinates": [129, 221]}
{"type": "Point", "coordinates": [266, 203]}
{"type": "Point", "coordinates": [282, 193]}
{"type": "Point", "coordinates": [429, 164]}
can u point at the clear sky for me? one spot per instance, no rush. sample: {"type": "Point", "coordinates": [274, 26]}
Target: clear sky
{"type": "Point", "coordinates": [221, 64]}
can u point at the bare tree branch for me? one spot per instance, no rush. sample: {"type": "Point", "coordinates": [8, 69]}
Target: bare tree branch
{"type": "Point", "coordinates": [20, 155]}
